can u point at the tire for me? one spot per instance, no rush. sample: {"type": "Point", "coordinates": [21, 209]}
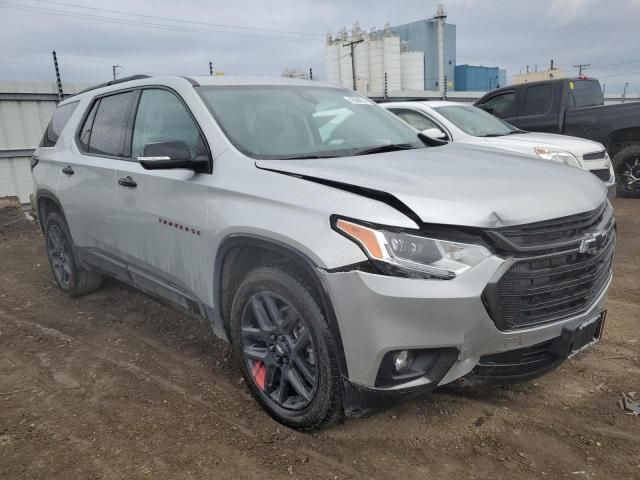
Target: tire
{"type": "Point", "coordinates": [72, 279]}
{"type": "Point", "coordinates": [288, 304]}
{"type": "Point", "coordinates": [627, 162]}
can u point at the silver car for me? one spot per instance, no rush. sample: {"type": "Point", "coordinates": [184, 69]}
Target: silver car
{"type": "Point", "coordinates": [457, 122]}
{"type": "Point", "coordinates": [349, 265]}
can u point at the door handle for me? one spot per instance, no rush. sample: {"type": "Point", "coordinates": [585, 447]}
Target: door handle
{"type": "Point", "coordinates": [68, 170]}
{"type": "Point", "coordinates": [127, 182]}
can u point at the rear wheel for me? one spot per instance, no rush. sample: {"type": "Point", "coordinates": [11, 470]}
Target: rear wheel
{"type": "Point", "coordinates": [627, 163]}
{"type": "Point", "coordinates": [283, 342]}
{"type": "Point", "coordinates": [71, 279]}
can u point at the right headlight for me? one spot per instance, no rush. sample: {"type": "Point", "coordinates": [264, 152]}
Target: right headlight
{"type": "Point", "coordinates": [413, 255]}
{"type": "Point", "coordinates": [556, 155]}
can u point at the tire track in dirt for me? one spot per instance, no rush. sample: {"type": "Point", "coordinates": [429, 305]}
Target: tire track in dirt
{"type": "Point", "coordinates": [235, 424]}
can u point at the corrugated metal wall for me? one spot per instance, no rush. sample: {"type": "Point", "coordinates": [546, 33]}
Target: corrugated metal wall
{"type": "Point", "coordinates": [25, 111]}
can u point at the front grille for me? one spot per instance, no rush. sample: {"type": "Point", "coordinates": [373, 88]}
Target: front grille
{"type": "Point", "coordinates": [541, 282]}
{"type": "Point", "coordinates": [603, 174]}
{"type": "Point", "coordinates": [594, 156]}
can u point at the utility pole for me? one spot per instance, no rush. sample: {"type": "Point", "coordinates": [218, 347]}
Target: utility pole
{"type": "Point", "coordinates": [581, 66]}
{"type": "Point", "coordinates": [115, 68]}
{"type": "Point", "coordinates": [352, 44]}
{"type": "Point", "coordinates": [211, 69]}
{"type": "Point", "coordinates": [58, 82]}
{"type": "Point", "coordinates": [624, 92]}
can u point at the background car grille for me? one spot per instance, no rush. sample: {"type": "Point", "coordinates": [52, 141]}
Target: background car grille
{"type": "Point", "coordinates": [546, 278]}
{"type": "Point", "coordinates": [603, 174]}
{"type": "Point", "coordinates": [594, 156]}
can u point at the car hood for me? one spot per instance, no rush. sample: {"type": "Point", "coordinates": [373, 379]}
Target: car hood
{"type": "Point", "coordinates": [526, 142]}
{"type": "Point", "coordinates": [460, 184]}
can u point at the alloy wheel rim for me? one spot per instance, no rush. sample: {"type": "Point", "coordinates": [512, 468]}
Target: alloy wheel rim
{"type": "Point", "coordinates": [630, 175]}
{"type": "Point", "coordinates": [59, 255]}
{"type": "Point", "coordinates": [279, 351]}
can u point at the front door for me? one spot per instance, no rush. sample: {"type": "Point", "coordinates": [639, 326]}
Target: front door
{"type": "Point", "coordinates": [162, 214]}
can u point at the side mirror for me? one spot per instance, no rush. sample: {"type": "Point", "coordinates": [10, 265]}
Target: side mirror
{"type": "Point", "coordinates": [171, 155]}
{"type": "Point", "coordinates": [434, 133]}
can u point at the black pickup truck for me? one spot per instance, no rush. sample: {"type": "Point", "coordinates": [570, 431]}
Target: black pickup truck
{"type": "Point", "coordinates": [575, 106]}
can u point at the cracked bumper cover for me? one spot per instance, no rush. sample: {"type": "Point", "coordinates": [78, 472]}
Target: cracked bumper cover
{"type": "Point", "coordinates": [377, 314]}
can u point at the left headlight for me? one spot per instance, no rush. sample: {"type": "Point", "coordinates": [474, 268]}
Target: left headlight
{"type": "Point", "coordinates": [561, 156]}
{"type": "Point", "coordinates": [413, 255]}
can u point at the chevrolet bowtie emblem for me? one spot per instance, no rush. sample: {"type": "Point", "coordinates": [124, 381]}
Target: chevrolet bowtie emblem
{"type": "Point", "coordinates": [592, 242]}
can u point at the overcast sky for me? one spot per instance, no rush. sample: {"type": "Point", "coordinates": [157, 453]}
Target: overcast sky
{"type": "Point", "coordinates": [264, 36]}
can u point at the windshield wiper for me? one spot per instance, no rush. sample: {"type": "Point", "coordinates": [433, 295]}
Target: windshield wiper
{"type": "Point", "coordinates": [391, 147]}
{"type": "Point", "coordinates": [303, 157]}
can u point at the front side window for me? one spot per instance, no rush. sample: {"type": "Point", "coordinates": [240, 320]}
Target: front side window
{"type": "Point", "coordinates": [286, 122]}
{"type": "Point", "coordinates": [60, 118]}
{"type": "Point", "coordinates": [501, 105]}
{"type": "Point", "coordinates": [109, 127]}
{"type": "Point", "coordinates": [416, 120]}
{"type": "Point", "coordinates": [162, 117]}
{"type": "Point", "coordinates": [475, 121]}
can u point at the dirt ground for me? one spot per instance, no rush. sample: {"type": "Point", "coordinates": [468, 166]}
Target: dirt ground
{"type": "Point", "coordinates": [117, 385]}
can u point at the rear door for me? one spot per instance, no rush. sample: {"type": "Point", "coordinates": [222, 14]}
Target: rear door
{"type": "Point", "coordinates": [162, 214]}
{"type": "Point", "coordinates": [86, 188]}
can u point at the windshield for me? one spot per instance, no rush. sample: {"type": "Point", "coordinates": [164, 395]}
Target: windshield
{"type": "Point", "coordinates": [476, 122]}
{"type": "Point", "coordinates": [286, 122]}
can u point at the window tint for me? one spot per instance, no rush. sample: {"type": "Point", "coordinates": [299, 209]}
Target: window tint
{"type": "Point", "coordinates": [162, 117]}
{"type": "Point", "coordinates": [60, 118]}
{"type": "Point", "coordinates": [585, 93]}
{"type": "Point", "coordinates": [110, 125]}
{"type": "Point", "coordinates": [85, 133]}
{"type": "Point", "coordinates": [538, 99]}
{"type": "Point", "coordinates": [415, 119]}
{"type": "Point", "coordinates": [501, 105]}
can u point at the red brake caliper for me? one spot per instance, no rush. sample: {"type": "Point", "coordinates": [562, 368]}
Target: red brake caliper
{"type": "Point", "coordinates": [259, 373]}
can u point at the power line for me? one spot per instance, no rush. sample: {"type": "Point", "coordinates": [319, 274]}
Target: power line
{"type": "Point", "coordinates": [176, 28]}
{"type": "Point", "coordinates": [177, 20]}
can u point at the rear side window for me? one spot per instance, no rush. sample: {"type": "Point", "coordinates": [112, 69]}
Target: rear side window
{"type": "Point", "coordinates": [415, 119]}
{"type": "Point", "coordinates": [538, 100]}
{"type": "Point", "coordinates": [585, 93]}
{"type": "Point", "coordinates": [109, 127]}
{"type": "Point", "coordinates": [85, 133]}
{"type": "Point", "coordinates": [162, 117]}
{"type": "Point", "coordinates": [60, 118]}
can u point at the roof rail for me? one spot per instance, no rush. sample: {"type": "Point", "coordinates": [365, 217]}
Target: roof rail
{"type": "Point", "coordinates": [114, 82]}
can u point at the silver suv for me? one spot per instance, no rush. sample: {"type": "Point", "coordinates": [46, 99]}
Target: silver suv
{"type": "Point", "coordinates": [349, 263]}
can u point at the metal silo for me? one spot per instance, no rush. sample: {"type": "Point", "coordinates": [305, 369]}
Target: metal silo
{"type": "Point", "coordinates": [376, 66]}
{"type": "Point", "coordinates": [391, 46]}
{"type": "Point", "coordinates": [412, 69]}
{"type": "Point", "coordinates": [332, 60]}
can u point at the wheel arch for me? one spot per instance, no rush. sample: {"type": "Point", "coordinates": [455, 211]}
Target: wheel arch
{"type": "Point", "coordinates": [248, 251]}
{"type": "Point", "coordinates": [47, 201]}
{"type": "Point", "coordinates": [619, 139]}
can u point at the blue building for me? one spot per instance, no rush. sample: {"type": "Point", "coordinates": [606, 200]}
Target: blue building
{"type": "Point", "coordinates": [423, 36]}
{"type": "Point", "coordinates": [471, 78]}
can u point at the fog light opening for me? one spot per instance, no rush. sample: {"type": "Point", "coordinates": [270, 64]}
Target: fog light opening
{"type": "Point", "coordinates": [402, 361]}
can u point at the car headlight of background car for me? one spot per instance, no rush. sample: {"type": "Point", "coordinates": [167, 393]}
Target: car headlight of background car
{"type": "Point", "coordinates": [556, 155]}
{"type": "Point", "coordinates": [405, 254]}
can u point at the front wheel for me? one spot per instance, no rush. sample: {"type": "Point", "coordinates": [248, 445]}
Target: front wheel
{"type": "Point", "coordinates": [287, 352]}
{"type": "Point", "coordinates": [627, 163]}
